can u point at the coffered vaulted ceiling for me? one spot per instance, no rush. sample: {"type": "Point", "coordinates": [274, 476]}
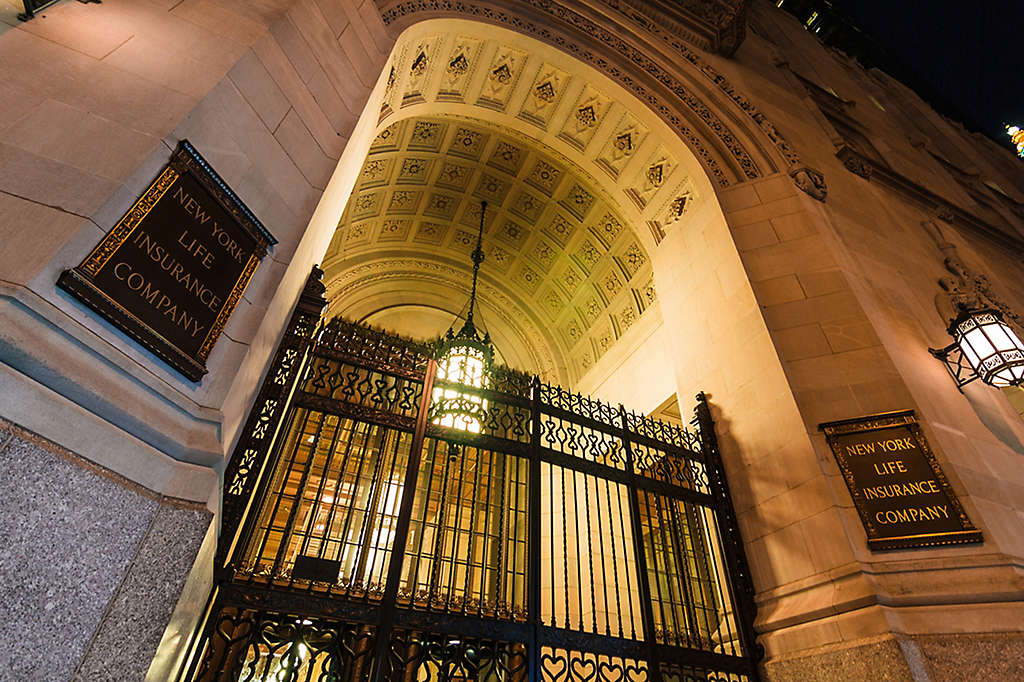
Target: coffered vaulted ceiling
{"type": "Point", "coordinates": [578, 189]}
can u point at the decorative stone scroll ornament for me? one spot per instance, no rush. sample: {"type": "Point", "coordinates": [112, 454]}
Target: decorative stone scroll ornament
{"type": "Point", "coordinates": [984, 345]}
{"type": "Point", "coordinates": [810, 181]}
{"type": "Point", "coordinates": [575, 26]}
{"type": "Point", "coordinates": [856, 165]}
{"type": "Point", "coordinates": [965, 290]}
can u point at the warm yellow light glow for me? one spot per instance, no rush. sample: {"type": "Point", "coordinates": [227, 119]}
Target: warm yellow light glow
{"type": "Point", "coordinates": [462, 365]}
{"type": "Point", "coordinates": [1017, 135]}
{"type": "Point", "coordinates": [283, 667]}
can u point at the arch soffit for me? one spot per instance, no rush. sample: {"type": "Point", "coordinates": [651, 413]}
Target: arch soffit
{"type": "Point", "coordinates": [588, 297]}
{"type": "Point", "coordinates": [365, 286]}
{"type": "Point", "coordinates": [732, 139]}
{"type": "Point", "coordinates": [560, 248]}
{"type": "Point", "coordinates": [416, 88]}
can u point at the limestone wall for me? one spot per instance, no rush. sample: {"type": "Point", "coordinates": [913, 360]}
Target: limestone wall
{"type": "Point", "coordinates": [95, 98]}
{"type": "Point", "coordinates": [793, 310]}
{"type": "Point", "coordinates": [847, 288]}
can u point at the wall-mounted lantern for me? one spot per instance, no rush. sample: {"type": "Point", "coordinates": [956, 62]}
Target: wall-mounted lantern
{"type": "Point", "coordinates": [463, 358]}
{"type": "Point", "coordinates": [1017, 136]}
{"type": "Point", "coordinates": [984, 347]}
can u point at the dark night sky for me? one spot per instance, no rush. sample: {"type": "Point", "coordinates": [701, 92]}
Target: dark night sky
{"type": "Point", "coordinates": [967, 53]}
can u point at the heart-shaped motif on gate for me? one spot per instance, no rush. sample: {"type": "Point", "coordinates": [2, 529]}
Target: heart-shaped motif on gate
{"type": "Point", "coordinates": [582, 669]}
{"type": "Point", "coordinates": [636, 673]}
{"type": "Point", "coordinates": [552, 668]}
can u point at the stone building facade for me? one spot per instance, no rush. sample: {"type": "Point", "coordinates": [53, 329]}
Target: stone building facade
{"type": "Point", "coordinates": [686, 197]}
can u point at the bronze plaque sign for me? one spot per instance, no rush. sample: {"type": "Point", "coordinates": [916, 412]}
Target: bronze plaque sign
{"type": "Point", "coordinates": [899, 490]}
{"type": "Point", "coordinates": [172, 270]}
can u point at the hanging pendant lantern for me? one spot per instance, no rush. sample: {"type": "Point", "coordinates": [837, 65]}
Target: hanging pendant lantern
{"type": "Point", "coordinates": [984, 347]}
{"type": "Point", "coordinates": [463, 361]}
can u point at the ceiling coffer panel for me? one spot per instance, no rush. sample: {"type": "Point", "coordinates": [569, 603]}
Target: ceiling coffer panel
{"type": "Point", "coordinates": [553, 240]}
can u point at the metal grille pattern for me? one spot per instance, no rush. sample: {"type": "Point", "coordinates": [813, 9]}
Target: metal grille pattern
{"type": "Point", "coordinates": [255, 646]}
{"type": "Point", "coordinates": [568, 540]}
{"type": "Point", "coordinates": [334, 497]}
{"type": "Point", "coordinates": [466, 551]}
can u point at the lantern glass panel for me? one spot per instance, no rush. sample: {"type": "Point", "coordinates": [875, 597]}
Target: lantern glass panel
{"type": "Point", "coordinates": [991, 347]}
{"type": "Point", "coordinates": [460, 410]}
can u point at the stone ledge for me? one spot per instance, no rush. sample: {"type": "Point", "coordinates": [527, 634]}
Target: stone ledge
{"type": "Point", "coordinates": [46, 346]}
{"type": "Point", "coordinates": [108, 451]}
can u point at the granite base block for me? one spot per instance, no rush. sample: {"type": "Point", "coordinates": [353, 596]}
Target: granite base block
{"type": "Point", "coordinates": [916, 658]}
{"type": "Point", "coordinates": [973, 656]}
{"type": "Point", "coordinates": [68, 536]}
{"type": "Point", "coordinates": [93, 564]}
{"type": "Point", "coordinates": [878, 661]}
{"type": "Point", "coordinates": [131, 629]}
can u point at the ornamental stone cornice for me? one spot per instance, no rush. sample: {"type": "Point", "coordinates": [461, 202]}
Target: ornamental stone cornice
{"type": "Point", "coordinates": [711, 140]}
{"type": "Point", "coordinates": [876, 172]}
{"type": "Point", "coordinates": [712, 25]}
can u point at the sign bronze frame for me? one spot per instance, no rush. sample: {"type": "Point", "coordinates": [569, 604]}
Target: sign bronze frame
{"type": "Point", "coordinates": [840, 434]}
{"type": "Point", "coordinates": [83, 281]}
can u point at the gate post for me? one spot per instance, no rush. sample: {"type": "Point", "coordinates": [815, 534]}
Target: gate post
{"type": "Point", "coordinates": [248, 461]}
{"type": "Point", "coordinates": [533, 585]}
{"type": "Point", "coordinates": [740, 583]}
{"type": "Point", "coordinates": [386, 621]}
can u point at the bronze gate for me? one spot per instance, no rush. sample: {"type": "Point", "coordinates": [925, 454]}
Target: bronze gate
{"type": "Point", "coordinates": [567, 540]}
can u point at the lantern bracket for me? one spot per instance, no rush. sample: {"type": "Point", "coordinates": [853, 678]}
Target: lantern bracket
{"type": "Point", "coordinates": [957, 366]}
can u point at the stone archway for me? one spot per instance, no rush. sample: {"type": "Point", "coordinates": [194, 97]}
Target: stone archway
{"type": "Point", "coordinates": [583, 179]}
{"type": "Point", "coordinates": [707, 331]}
{"type": "Point", "coordinates": [648, 50]}
{"type": "Point", "coordinates": [673, 223]}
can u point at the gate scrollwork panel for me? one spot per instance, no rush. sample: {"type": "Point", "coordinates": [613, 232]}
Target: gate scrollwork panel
{"type": "Point", "coordinates": [567, 541]}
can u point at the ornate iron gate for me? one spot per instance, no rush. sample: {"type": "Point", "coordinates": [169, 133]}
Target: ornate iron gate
{"type": "Point", "coordinates": [568, 540]}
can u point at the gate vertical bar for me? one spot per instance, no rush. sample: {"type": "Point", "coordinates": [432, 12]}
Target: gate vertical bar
{"type": "Point", "coordinates": [646, 602]}
{"type": "Point", "coordinates": [533, 546]}
{"type": "Point", "coordinates": [389, 602]}
{"type": "Point", "coordinates": [248, 462]}
{"type": "Point", "coordinates": [740, 583]}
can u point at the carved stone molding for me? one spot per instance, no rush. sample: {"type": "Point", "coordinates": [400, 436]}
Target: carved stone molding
{"type": "Point", "coordinates": [508, 310]}
{"type": "Point", "coordinates": [809, 181]}
{"type": "Point", "coordinates": [856, 165]}
{"type": "Point", "coordinates": [873, 171]}
{"type": "Point", "coordinates": [964, 290]}
{"type": "Point", "coordinates": [581, 29]}
{"type": "Point", "coordinates": [713, 25]}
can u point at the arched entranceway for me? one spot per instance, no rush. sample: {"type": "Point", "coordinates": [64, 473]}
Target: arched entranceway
{"type": "Point", "coordinates": [585, 183]}
{"type": "Point", "coordinates": [366, 539]}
